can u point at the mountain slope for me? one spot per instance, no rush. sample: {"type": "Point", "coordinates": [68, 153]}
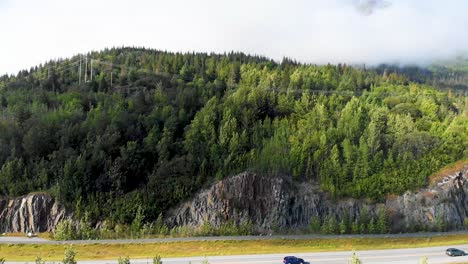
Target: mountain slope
{"type": "Point", "coordinates": [142, 130]}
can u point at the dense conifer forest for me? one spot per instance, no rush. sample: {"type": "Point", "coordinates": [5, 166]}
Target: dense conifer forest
{"type": "Point", "coordinates": [151, 128]}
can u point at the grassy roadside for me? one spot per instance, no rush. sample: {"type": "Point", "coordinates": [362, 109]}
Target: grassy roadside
{"type": "Point", "coordinates": [28, 252]}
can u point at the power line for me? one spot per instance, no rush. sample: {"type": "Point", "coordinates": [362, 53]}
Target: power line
{"type": "Point", "coordinates": [349, 93]}
{"type": "Point", "coordinates": [113, 65]}
{"type": "Point", "coordinates": [276, 89]}
{"type": "Point", "coordinates": [67, 67]}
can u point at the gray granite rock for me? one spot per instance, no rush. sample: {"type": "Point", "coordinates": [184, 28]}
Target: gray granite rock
{"type": "Point", "coordinates": [35, 212]}
{"type": "Point", "coordinates": [275, 202]}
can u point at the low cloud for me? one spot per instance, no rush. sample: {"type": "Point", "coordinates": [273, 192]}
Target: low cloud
{"type": "Point", "coordinates": [313, 31]}
{"type": "Point", "coordinates": [369, 7]}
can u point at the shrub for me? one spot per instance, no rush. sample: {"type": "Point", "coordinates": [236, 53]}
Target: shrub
{"type": "Point", "coordinates": [105, 231]}
{"type": "Point", "coordinates": [362, 228]}
{"type": "Point", "coordinates": [207, 229]}
{"type": "Point", "coordinates": [160, 227]}
{"type": "Point", "coordinates": [246, 228]}
{"type": "Point", "coordinates": [147, 229]}
{"type": "Point", "coordinates": [2, 260]}
{"type": "Point", "coordinates": [39, 260]}
{"type": "Point", "coordinates": [84, 229]}
{"type": "Point", "coordinates": [120, 230]}
{"type": "Point", "coordinates": [164, 230]}
{"type": "Point", "coordinates": [124, 260]}
{"type": "Point", "coordinates": [227, 229]}
{"type": "Point", "coordinates": [372, 227]}
{"type": "Point", "coordinates": [355, 259]}
{"type": "Point", "coordinates": [315, 224]}
{"type": "Point", "coordinates": [137, 223]}
{"type": "Point", "coordinates": [355, 227]}
{"type": "Point", "coordinates": [65, 230]}
{"type": "Point", "coordinates": [69, 257]}
{"type": "Point", "coordinates": [329, 225]}
{"type": "Point", "coordinates": [157, 260]}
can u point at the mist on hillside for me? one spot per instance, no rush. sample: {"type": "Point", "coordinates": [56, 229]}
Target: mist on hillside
{"type": "Point", "coordinates": [319, 31]}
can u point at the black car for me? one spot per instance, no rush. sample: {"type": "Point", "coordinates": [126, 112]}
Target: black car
{"type": "Point", "coordinates": [455, 252]}
{"type": "Point", "coordinates": [293, 260]}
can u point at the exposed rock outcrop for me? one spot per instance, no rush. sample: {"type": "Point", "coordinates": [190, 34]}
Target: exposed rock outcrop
{"type": "Point", "coordinates": [270, 203]}
{"type": "Point", "coordinates": [445, 202]}
{"type": "Point", "coordinates": [35, 212]}
{"type": "Point", "coordinates": [273, 202]}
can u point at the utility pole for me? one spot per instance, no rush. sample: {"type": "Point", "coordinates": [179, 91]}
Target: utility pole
{"type": "Point", "coordinates": [86, 70]}
{"type": "Point", "coordinates": [79, 74]}
{"type": "Point", "coordinates": [91, 70]}
{"type": "Point", "coordinates": [111, 74]}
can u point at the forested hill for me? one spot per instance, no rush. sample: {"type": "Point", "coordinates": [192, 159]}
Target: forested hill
{"type": "Point", "coordinates": [146, 129]}
{"type": "Point", "coordinates": [451, 74]}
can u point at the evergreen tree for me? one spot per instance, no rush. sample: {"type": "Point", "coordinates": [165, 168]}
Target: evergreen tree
{"type": "Point", "coordinates": [343, 228]}
{"type": "Point", "coordinates": [382, 223]}
{"type": "Point", "coordinates": [355, 227]}
{"type": "Point", "coordinates": [372, 228]}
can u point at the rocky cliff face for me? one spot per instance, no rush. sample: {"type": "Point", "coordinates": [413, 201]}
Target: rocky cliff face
{"type": "Point", "coordinates": [270, 203]}
{"type": "Point", "coordinates": [279, 203]}
{"type": "Point", "coordinates": [445, 202]}
{"type": "Point", "coordinates": [35, 212]}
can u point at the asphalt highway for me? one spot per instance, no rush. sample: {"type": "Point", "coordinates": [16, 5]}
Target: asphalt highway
{"type": "Point", "coordinates": [400, 256]}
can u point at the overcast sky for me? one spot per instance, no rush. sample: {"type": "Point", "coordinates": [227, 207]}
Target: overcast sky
{"type": "Point", "coordinates": [317, 31]}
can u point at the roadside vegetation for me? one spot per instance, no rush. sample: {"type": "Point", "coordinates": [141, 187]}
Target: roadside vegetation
{"type": "Point", "coordinates": [365, 224]}
{"type": "Point", "coordinates": [68, 230]}
{"type": "Point", "coordinates": [29, 252]}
